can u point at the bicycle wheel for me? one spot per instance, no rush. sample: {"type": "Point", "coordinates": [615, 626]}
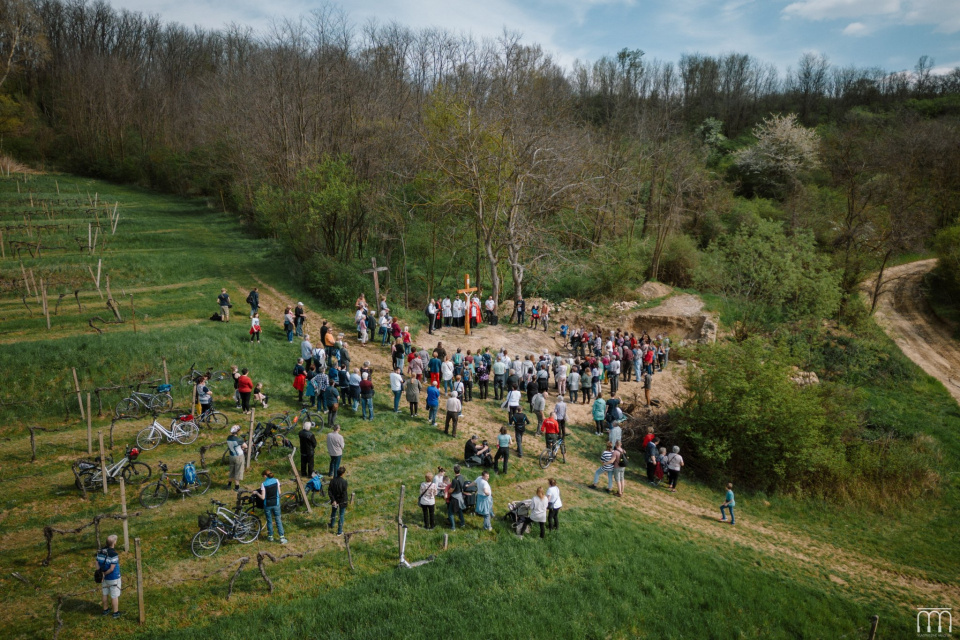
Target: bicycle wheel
{"type": "Point", "coordinates": [225, 458]}
{"type": "Point", "coordinates": [205, 543]}
{"type": "Point", "coordinates": [217, 376]}
{"type": "Point", "coordinates": [317, 498]}
{"type": "Point", "coordinates": [289, 502]}
{"type": "Point", "coordinates": [128, 408]}
{"type": "Point", "coordinates": [281, 422]}
{"type": "Point", "coordinates": [87, 481]}
{"type": "Point", "coordinates": [545, 458]}
{"type": "Point", "coordinates": [149, 438]}
{"type": "Point", "coordinates": [161, 402]}
{"type": "Point", "coordinates": [247, 528]}
{"type": "Point", "coordinates": [136, 473]}
{"type": "Point", "coordinates": [215, 420]}
{"type": "Point", "coordinates": [154, 495]}
{"type": "Point", "coordinates": [186, 432]}
{"type": "Point", "coordinates": [202, 485]}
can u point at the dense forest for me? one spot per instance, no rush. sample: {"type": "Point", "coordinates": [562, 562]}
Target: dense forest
{"type": "Point", "coordinates": [439, 153]}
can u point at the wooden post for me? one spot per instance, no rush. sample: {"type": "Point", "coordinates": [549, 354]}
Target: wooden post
{"type": "Point", "coordinates": [89, 427]}
{"type": "Point", "coordinates": [166, 376]}
{"type": "Point", "coordinates": [403, 491]}
{"type": "Point", "coordinates": [376, 281]}
{"type": "Point", "coordinates": [103, 462]}
{"type": "Point", "coordinates": [58, 187]}
{"type": "Point", "coordinates": [116, 219]}
{"type": "Point", "coordinates": [353, 494]}
{"type": "Point", "coordinates": [253, 412]}
{"type": "Point", "coordinates": [96, 236]}
{"type": "Point", "coordinates": [143, 614]}
{"type": "Point", "coordinates": [133, 314]}
{"type": "Point", "coordinates": [296, 476]}
{"type": "Point", "coordinates": [43, 295]}
{"type": "Point", "coordinates": [446, 540]}
{"type": "Point", "coordinates": [123, 512]}
{"type": "Point", "coordinates": [874, 621]}
{"type": "Point", "coordinates": [3, 253]}
{"type": "Point", "coordinates": [76, 385]}
{"type": "Point", "coordinates": [36, 290]}
{"type": "Point", "coordinates": [89, 237]}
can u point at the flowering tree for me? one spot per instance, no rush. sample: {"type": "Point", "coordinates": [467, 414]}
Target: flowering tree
{"type": "Point", "coordinates": [785, 150]}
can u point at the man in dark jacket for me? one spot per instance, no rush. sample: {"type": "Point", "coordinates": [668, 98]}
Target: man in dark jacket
{"type": "Point", "coordinates": [224, 301]}
{"type": "Point", "coordinates": [651, 455]}
{"type": "Point", "coordinates": [456, 504]}
{"type": "Point", "coordinates": [338, 499]}
{"type": "Point", "coordinates": [519, 422]}
{"type": "Point", "coordinates": [308, 443]}
{"type": "Point", "coordinates": [254, 301]}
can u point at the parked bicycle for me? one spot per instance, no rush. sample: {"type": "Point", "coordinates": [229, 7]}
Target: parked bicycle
{"type": "Point", "coordinates": [182, 429]}
{"type": "Point", "coordinates": [292, 500]}
{"type": "Point", "coordinates": [285, 423]}
{"type": "Point", "coordinates": [132, 471]}
{"type": "Point", "coordinates": [155, 494]}
{"type": "Point", "coordinates": [266, 437]}
{"type": "Point", "coordinates": [191, 377]}
{"type": "Point", "coordinates": [211, 419]}
{"type": "Point", "coordinates": [550, 454]}
{"type": "Point", "coordinates": [223, 524]}
{"type": "Point", "coordinates": [157, 402]}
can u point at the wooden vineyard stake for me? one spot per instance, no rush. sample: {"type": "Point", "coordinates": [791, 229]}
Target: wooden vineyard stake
{"type": "Point", "coordinates": [3, 253]}
{"type": "Point", "coordinates": [33, 281]}
{"type": "Point", "coordinates": [253, 412]}
{"type": "Point", "coordinates": [89, 427]}
{"type": "Point", "coordinates": [296, 476]}
{"type": "Point", "coordinates": [46, 309]}
{"type": "Point", "coordinates": [76, 385]}
{"type": "Point", "coordinates": [143, 613]}
{"type": "Point", "coordinates": [123, 512]}
{"type": "Point", "coordinates": [133, 314]}
{"type": "Point", "coordinates": [103, 463]}
{"type": "Point", "coordinates": [166, 376]}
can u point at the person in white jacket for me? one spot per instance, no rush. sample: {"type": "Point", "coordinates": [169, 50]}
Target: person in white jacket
{"type": "Point", "coordinates": [446, 375]}
{"type": "Point", "coordinates": [538, 513]}
{"type": "Point", "coordinates": [553, 504]}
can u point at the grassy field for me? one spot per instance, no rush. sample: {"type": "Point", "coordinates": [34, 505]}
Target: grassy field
{"type": "Point", "coordinates": [651, 564]}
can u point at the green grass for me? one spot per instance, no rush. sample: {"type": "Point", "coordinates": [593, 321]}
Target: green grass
{"type": "Point", "coordinates": [614, 570]}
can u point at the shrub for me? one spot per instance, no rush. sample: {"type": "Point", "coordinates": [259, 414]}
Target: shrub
{"type": "Point", "coordinates": [680, 260]}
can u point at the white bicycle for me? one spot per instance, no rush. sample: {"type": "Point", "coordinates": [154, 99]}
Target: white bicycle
{"type": "Point", "coordinates": [181, 430]}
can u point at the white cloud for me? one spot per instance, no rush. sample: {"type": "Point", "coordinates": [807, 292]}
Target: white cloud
{"type": "Point", "coordinates": [856, 29]}
{"type": "Point", "coordinates": [944, 14]}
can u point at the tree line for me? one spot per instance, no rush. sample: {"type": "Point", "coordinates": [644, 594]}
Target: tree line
{"type": "Point", "coordinates": [441, 152]}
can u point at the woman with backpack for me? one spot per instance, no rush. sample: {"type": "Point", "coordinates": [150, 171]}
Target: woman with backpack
{"type": "Point", "coordinates": [269, 492]}
{"type": "Point", "coordinates": [108, 566]}
{"type": "Point", "coordinates": [428, 500]}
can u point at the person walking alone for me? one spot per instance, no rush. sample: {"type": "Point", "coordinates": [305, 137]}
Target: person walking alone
{"type": "Point", "coordinates": [224, 301]}
{"type": "Point", "coordinates": [253, 299]}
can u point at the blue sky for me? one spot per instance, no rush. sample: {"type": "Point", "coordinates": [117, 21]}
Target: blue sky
{"type": "Point", "coordinates": [891, 34]}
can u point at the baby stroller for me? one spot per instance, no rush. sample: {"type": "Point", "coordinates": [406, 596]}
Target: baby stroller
{"type": "Point", "coordinates": [517, 511]}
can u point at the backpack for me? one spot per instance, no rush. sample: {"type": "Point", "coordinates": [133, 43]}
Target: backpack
{"type": "Point", "coordinates": [315, 483]}
{"type": "Point", "coordinates": [250, 298]}
{"type": "Point", "coordinates": [189, 473]}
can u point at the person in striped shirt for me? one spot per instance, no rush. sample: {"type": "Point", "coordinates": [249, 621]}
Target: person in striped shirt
{"type": "Point", "coordinates": [608, 460]}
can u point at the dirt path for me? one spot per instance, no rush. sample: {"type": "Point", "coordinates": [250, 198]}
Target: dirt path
{"type": "Point", "coordinates": [904, 314]}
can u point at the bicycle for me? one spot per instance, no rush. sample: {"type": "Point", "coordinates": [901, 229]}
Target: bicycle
{"type": "Point", "coordinates": [265, 437]}
{"type": "Point", "coordinates": [191, 377]}
{"type": "Point", "coordinates": [155, 494]}
{"type": "Point", "coordinates": [215, 526]}
{"type": "Point", "coordinates": [157, 402]}
{"type": "Point", "coordinates": [549, 455]}
{"type": "Point", "coordinates": [284, 423]}
{"type": "Point", "coordinates": [292, 500]}
{"type": "Point", "coordinates": [212, 419]}
{"type": "Point", "coordinates": [89, 475]}
{"type": "Point", "coordinates": [182, 430]}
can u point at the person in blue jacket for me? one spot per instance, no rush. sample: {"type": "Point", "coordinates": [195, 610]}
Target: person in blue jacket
{"type": "Point", "coordinates": [433, 401]}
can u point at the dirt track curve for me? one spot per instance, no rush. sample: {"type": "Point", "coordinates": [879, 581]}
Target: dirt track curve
{"type": "Point", "coordinates": [904, 314]}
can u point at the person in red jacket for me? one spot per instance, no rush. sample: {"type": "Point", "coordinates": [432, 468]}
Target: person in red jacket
{"type": "Point", "coordinates": [551, 430]}
{"type": "Point", "coordinates": [245, 388]}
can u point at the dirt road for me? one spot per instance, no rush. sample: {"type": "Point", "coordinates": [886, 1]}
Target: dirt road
{"type": "Point", "coordinates": [907, 318]}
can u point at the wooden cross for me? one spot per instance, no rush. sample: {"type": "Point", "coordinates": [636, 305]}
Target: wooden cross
{"type": "Point", "coordinates": [376, 282]}
{"type": "Point", "coordinates": [467, 289]}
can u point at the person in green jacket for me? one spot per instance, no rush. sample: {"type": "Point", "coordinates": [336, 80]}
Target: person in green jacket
{"type": "Point", "coordinates": [599, 414]}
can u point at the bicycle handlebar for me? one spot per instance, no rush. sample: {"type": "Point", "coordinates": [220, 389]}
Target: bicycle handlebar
{"type": "Point", "coordinates": [218, 503]}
